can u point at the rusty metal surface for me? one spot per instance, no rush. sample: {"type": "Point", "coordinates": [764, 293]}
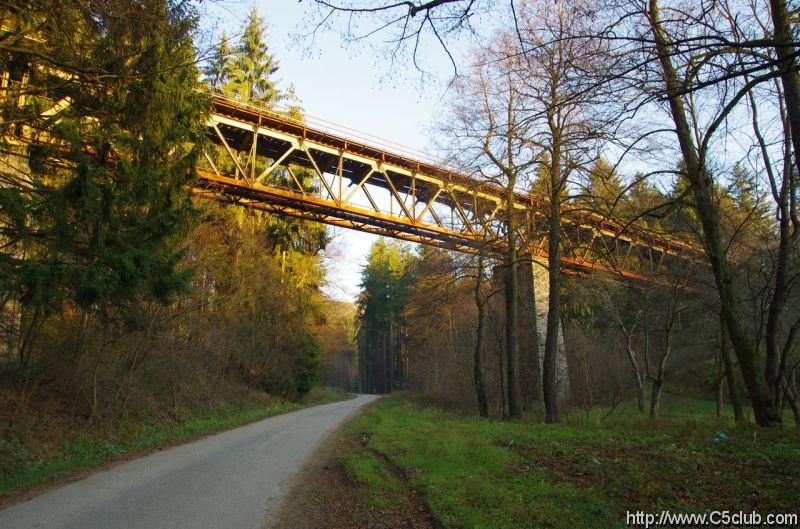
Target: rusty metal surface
{"type": "Point", "coordinates": [429, 203]}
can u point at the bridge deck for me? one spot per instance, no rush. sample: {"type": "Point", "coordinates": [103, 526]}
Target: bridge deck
{"type": "Point", "coordinates": [261, 143]}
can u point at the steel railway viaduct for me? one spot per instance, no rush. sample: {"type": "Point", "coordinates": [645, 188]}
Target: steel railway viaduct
{"type": "Point", "coordinates": [378, 187]}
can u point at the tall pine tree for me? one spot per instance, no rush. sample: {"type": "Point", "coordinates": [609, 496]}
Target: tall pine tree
{"type": "Point", "coordinates": [247, 71]}
{"type": "Point", "coordinates": [603, 188]}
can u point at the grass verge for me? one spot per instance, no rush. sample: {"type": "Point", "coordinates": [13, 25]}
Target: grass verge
{"type": "Point", "coordinates": [481, 474]}
{"type": "Point", "coordinates": [28, 461]}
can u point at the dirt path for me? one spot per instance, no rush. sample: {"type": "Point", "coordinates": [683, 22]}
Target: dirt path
{"type": "Point", "coordinates": [323, 496]}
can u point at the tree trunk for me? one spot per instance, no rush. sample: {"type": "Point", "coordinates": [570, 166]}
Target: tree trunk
{"type": "Point", "coordinates": [790, 79]}
{"type": "Point", "coordinates": [635, 369]}
{"type": "Point", "coordinates": [80, 334]}
{"type": "Point", "coordinates": [26, 341]}
{"type": "Point", "coordinates": [173, 378]}
{"type": "Point", "coordinates": [640, 399]}
{"type": "Point", "coordinates": [730, 374]}
{"type": "Point", "coordinates": [536, 358]}
{"type": "Point", "coordinates": [511, 332]}
{"type": "Point", "coordinates": [390, 360]}
{"type": "Point", "coordinates": [480, 382]}
{"type": "Point", "coordinates": [95, 403]}
{"type": "Point", "coordinates": [792, 397]}
{"type": "Point", "coordinates": [549, 367]}
{"type": "Point", "coordinates": [384, 356]}
{"type": "Point", "coordinates": [719, 384]}
{"type": "Point", "coordinates": [399, 365]}
{"type": "Point", "coordinates": [502, 379]}
{"type": "Point", "coordinates": [795, 409]}
{"type": "Point", "coordinates": [655, 399]}
{"type": "Point", "coordinates": [369, 368]}
{"type": "Point", "coordinates": [363, 365]}
{"type": "Point", "coordinates": [708, 212]}
{"type": "Point", "coordinates": [658, 380]}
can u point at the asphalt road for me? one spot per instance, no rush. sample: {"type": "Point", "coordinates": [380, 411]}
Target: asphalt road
{"type": "Point", "coordinates": [232, 480]}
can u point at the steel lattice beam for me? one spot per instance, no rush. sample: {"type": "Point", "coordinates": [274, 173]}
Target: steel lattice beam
{"type": "Point", "coordinates": [427, 204]}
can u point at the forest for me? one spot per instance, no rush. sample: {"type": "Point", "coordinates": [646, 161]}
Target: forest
{"type": "Point", "coordinates": [672, 393]}
{"type": "Point", "coordinates": [136, 314]}
{"type": "Point", "coordinates": [126, 301]}
{"type": "Point", "coordinates": [688, 139]}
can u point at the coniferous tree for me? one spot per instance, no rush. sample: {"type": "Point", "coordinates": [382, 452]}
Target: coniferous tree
{"type": "Point", "coordinates": [253, 65]}
{"type": "Point", "coordinates": [643, 204]}
{"type": "Point", "coordinates": [87, 215]}
{"type": "Point", "coordinates": [246, 70]}
{"type": "Point", "coordinates": [219, 65]}
{"type": "Point", "coordinates": [603, 188]}
{"type": "Point", "coordinates": [385, 283]}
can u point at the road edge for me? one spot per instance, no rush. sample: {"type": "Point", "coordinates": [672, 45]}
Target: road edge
{"type": "Point", "coordinates": [29, 492]}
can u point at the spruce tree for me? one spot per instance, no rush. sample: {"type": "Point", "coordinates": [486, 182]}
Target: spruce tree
{"type": "Point", "coordinates": [385, 283]}
{"type": "Point", "coordinates": [603, 188]}
{"type": "Point", "coordinates": [88, 215]}
{"type": "Point", "coordinates": [253, 65]}
{"type": "Point", "coordinates": [643, 203]}
{"type": "Point", "coordinates": [248, 73]}
{"type": "Point", "coordinates": [218, 70]}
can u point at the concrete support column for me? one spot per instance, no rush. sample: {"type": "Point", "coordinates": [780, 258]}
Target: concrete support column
{"type": "Point", "coordinates": [541, 298]}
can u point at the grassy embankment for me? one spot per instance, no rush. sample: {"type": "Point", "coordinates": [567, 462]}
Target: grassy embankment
{"type": "Point", "coordinates": [51, 448]}
{"type": "Point", "coordinates": [474, 473]}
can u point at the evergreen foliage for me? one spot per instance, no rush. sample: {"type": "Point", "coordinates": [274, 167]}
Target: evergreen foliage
{"type": "Point", "coordinates": [91, 219]}
{"type": "Point", "coordinates": [604, 189]}
{"type": "Point", "coordinates": [117, 288]}
{"type": "Point", "coordinates": [218, 69]}
{"type": "Point", "coordinates": [245, 69]}
{"type": "Point", "coordinates": [643, 203]}
{"type": "Point", "coordinates": [385, 284]}
{"type": "Point", "coordinates": [253, 66]}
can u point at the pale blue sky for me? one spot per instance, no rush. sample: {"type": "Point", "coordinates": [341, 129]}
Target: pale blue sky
{"type": "Point", "coordinates": [350, 85]}
{"type": "Point", "coordinates": [355, 85]}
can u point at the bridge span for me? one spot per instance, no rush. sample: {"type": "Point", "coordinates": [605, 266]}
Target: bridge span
{"type": "Point", "coordinates": [379, 187]}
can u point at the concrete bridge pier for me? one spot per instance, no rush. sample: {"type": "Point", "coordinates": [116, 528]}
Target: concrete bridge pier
{"type": "Point", "coordinates": [541, 298]}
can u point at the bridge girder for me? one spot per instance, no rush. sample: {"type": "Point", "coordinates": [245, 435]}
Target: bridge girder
{"type": "Point", "coordinates": [427, 204]}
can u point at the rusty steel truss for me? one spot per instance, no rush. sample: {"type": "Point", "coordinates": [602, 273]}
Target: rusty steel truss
{"type": "Point", "coordinates": [364, 185]}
